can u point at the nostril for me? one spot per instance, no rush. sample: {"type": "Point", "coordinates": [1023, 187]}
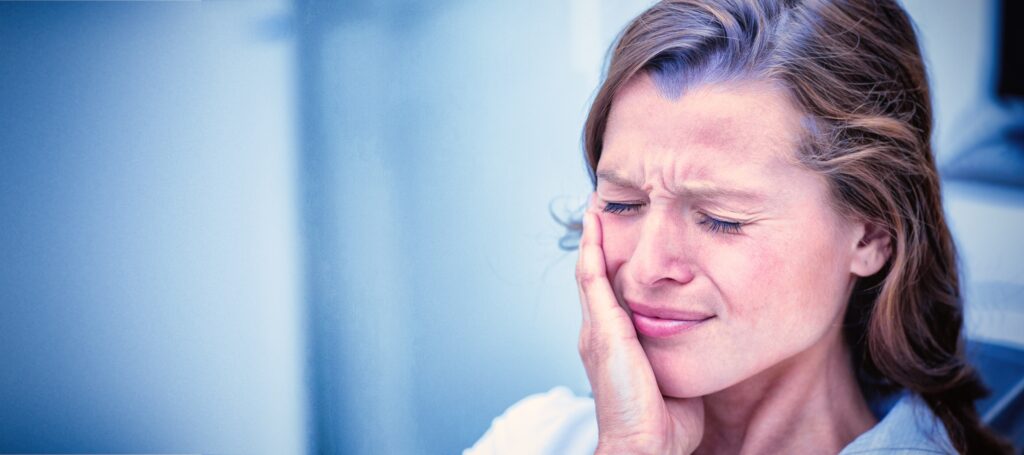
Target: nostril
{"type": "Point", "coordinates": [655, 265]}
{"type": "Point", "coordinates": [661, 272]}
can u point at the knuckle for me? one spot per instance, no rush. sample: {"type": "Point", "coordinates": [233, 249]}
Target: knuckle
{"type": "Point", "coordinates": [591, 348]}
{"type": "Point", "coordinates": [587, 346]}
{"type": "Point", "coordinates": [581, 268]}
{"type": "Point", "coordinates": [586, 277]}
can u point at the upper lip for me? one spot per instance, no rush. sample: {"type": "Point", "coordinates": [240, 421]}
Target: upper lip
{"type": "Point", "coordinates": [667, 313]}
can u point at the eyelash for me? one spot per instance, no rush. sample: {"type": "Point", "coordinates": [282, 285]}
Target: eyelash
{"type": "Point", "coordinates": [713, 225]}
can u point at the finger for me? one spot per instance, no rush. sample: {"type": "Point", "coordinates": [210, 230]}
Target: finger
{"type": "Point", "coordinates": [592, 277]}
{"type": "Point", "coordinates": [584, 307]}
{"type": "Point", "coordinates": [587, 227]}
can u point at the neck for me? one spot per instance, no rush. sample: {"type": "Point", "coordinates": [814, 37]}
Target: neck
{"type": "Point", "coordinates": [809, 403]}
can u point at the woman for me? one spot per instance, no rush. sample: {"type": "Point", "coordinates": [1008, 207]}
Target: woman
{"type": "Point", "coordinates": [764, 262]}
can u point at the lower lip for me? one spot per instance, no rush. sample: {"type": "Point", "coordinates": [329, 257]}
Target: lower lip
{"type": "Point", "coordinates": [663, 328]}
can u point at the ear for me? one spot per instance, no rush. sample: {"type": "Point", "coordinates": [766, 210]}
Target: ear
{"type": "Point", "coordinates": [872, 250]}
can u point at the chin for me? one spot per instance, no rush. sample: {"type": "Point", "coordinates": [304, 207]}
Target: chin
{"type": "Point", "coordinates": [700, 370]}
{"type": "Point", "coordinates": [690, 378]}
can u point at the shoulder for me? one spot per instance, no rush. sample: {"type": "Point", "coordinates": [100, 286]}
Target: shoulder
{"type": "Point", "coordinates": [554, 422]}
{"type": "Point", "coordinates": [909, 427]}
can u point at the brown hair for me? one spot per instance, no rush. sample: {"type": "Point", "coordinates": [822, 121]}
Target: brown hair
{"type": "Point", "coordinates": [855, 69]}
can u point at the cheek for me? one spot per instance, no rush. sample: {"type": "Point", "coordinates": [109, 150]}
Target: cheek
{"type": "Point", "coordinates": [793, 287]}
{"type": "Point", "coordinates": [815, 269]}
{"type": "Point", "coordinates": [753, 282]}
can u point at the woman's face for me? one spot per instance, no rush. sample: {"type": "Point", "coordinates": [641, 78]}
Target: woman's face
{"type": "Point", "coordinates": [708, 221]}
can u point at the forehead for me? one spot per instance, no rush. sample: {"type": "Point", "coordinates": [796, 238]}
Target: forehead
{"type": "Point", "coordinates": [712, 131]}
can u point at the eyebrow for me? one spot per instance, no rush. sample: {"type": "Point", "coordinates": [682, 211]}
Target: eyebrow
{"type": "Point", "coordinates": [699, 191]}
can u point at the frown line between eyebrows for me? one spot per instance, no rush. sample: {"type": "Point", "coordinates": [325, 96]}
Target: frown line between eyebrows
{"type": "Point", "coordinates": [702, 191]}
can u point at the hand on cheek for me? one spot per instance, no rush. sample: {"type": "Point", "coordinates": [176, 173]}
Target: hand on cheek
{"type": "Point", "coordinates": [632, 415]}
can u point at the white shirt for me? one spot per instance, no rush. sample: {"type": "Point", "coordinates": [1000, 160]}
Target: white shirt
{"type": "Point", "coordinates": [559, 422]}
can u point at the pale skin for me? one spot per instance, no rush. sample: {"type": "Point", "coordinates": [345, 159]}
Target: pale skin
{"type": "Point", "coordinates": [766, 369]}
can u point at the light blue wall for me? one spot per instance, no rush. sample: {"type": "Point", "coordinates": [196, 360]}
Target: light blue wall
{"type": "Point", "coordinates": [958, 40]}
{"type": "Point", "coordinates": [150, 282]}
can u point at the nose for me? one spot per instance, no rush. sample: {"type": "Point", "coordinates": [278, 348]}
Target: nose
{"type": "Point", "coordinates": [663, 250]}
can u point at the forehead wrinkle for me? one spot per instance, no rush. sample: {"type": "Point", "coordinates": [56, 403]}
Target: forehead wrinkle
{"type": "Point", "coordinates": [735, 146]}
{"type": "Point", "coordinates": [617, 178]}
{"type": "Point", "coordinates": [733, 142]}
{"type": "Point", "coordinates": [729, 127]}
{"type": "Point", "coordinates": [703, 190]}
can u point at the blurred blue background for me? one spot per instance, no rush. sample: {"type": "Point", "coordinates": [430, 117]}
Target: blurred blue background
{"type": "Point", "coordinates": [323, 227]}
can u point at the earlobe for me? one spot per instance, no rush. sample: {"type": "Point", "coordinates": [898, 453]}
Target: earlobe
{"type": "Point", "coordinates": [874, 247]}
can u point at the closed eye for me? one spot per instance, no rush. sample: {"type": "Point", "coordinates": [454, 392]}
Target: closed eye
{"type": "Point", "coordinates": [712, 225]}
{"type": "Point", "coordinates": [619, 208]}
{"type": "Point", "coordinates": [715, 225]}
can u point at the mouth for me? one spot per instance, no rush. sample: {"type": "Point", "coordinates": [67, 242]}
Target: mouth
{"type": "Point", "coordinates": [665, 323]}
